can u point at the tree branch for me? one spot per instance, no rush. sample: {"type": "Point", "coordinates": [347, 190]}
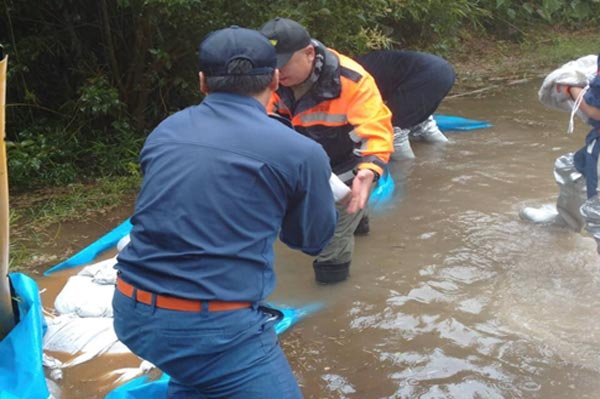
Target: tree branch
{"type": "Point", "coordinates": [110, 48]}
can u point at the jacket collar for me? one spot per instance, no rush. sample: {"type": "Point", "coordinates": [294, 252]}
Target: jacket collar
{"type": "Point", "coordinates": [229, 98]}
{"type": "Point", "coordinates": [327, 86]}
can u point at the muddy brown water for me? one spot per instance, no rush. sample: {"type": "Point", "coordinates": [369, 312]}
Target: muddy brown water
{"type": "Point", "coordinates": [450, 295]}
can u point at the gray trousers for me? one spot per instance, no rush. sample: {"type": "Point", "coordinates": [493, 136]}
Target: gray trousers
{"type": "Point", "coordinates": [340, 248]}
{"type": "Point", "coordinates": [572, 204]}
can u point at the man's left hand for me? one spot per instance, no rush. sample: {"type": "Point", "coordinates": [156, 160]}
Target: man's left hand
{"type": "Point", "coordinates": [361, 188]}
{"type": "Point", "coordinates": [563, 89]}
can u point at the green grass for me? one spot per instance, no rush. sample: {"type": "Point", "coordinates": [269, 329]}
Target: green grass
{"type": "Point", "coordinates": [547, 48]}
{"type": "Point", "coordinates": [77, 201]}
{"type": "Point", "coordinates": [34, 213]}
{"type": "Point", "coordinates": [482, 61]}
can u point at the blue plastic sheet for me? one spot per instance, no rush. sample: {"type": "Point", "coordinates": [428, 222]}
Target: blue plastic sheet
{"type": "Point", "coordinates": [383, 192]}
{"type": "Point", "coordinates": [21, 370]}
{"type": "Point", "coordinates": [92, 251]}
{"type": "Point", "coordinates": [448, 123]}
{"type": "Point", "coordinates": [141, 388]}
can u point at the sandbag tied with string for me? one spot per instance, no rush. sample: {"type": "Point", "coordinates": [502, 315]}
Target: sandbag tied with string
{"type": "Point", "coordinates": [579, 72]}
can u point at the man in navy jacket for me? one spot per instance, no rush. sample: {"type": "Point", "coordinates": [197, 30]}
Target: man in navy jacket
{"type": "Point", "coordinates": [221, 180]}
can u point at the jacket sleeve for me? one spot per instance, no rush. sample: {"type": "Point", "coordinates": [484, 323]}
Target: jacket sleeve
{"type": "Point", "coordinates": [592, 96]}
{"type": "Point", "coordinates": [372, 121]}
{"type": "Point", "coordinates": [309, 222]}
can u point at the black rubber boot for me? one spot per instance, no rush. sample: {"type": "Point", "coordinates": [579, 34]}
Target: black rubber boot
{"type": "Point", "coordinates": [363, 227]}
{"type": "Point", "coordinates": [331, 273]}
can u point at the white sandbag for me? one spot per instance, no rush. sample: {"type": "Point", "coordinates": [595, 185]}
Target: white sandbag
{"type": "Point", "coordinates": [84, 325]}
{"type": "Point", "coordinates": [84, 298]}
{"type": "Point", "coordinates": [129, 373]}
{"type": "Point", "coordinates": [53, 389]}
{"type": "Point", "coordinates": [123, 242]}
{"type": "Point", "coordinates": [339, 188]}
{"type": "Point", "coordinates": [88, 337]}
{"type": "Point", "coordinates": [578, 72]}
{"type": "Point", "coordinates": [54, 366]}
{"type": "Point", "coordinates": [102, 272]}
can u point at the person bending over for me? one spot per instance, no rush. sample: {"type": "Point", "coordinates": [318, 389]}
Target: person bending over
{"type": "Point", "coordinates": [219, 186]}
{"type": "Point", "coordinates": [331, 99]}
{"type": "Point", "coordinates": [412, 84]}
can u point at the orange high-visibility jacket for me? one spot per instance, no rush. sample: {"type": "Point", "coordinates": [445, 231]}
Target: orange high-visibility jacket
{"type": "Point", "coordinates": [343, 111]}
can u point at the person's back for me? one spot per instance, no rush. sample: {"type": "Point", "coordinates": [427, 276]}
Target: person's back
{"type": "Point", "coordinates": [409, 70]}
{"type": "Point", "coordinates": [394, 68]}
{"type": "Point", "coordinates": [413, 84]}
{"type": "Point", "coordinates": [213, 198]}
{"type": "Point", "coordinates": [219, 185]}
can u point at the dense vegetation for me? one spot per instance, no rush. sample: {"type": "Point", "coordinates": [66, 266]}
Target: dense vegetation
{"type": "Point", "coordinates": [89, 79]}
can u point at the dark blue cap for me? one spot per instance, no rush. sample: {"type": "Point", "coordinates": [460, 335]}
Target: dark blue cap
{"type": "Point", "coordinates": [220, 47]}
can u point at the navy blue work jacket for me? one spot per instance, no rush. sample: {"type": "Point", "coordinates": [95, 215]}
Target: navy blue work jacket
{"type": "Point", "coordinates": [221, 180]}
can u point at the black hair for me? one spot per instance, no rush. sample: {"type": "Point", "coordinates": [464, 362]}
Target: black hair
{"type": "Point", "coordinates": [238, 81]}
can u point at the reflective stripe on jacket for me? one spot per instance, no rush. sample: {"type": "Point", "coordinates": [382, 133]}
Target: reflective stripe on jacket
{"type": "Point", "coordinates": [343, 111]}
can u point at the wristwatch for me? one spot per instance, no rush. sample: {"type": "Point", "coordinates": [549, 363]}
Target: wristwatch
{"type": "Point", "coordinates": [375, 174]}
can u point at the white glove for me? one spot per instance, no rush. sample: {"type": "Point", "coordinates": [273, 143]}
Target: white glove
{"type": "Point", "coordinates": [339, 188]}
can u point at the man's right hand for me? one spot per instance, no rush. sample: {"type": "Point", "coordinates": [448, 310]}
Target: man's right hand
{"type": "Point", "coordinates": [361, 188]}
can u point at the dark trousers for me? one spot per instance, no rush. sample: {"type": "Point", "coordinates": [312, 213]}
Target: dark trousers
{"type": "Point", "coordinates": [420, 94]}
{"type": "Point", "coordinates": [232, 354]}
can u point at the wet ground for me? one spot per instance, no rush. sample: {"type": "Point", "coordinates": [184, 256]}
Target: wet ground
{"type": "Point", "coordinates": [451, 295]}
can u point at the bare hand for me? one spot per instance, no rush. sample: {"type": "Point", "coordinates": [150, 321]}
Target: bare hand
{"type": "Point", "coordinates": [571, 92]}
{"type": "Point", "coordinates": [563, 89]}
{"type": "Point", "coordinates": [361, 188]}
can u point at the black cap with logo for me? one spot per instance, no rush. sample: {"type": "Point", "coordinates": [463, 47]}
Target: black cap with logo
{"type": "Point", "coordinates": [287, 36]}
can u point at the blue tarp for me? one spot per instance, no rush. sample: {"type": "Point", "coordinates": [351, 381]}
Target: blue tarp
{"type": "Point", "coordinates": [91, 252]}
{"type": "Point", "coordinates": [448, 123]}
{"type": "Point", "coordinates": [21, 370]}
{"type": "Point", "coordinates": [383, 192]}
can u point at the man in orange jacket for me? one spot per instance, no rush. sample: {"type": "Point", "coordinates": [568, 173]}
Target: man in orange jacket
{"type": "Point", "coordinates": [332, 99]}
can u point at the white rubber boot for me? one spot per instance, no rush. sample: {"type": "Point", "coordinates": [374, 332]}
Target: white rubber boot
{"type": "Point", "coordinates": [402, 148]}
{"type": "Point", "coordinates": [428, 131]}
{"type": "Point", "coordinates": [546, 214]}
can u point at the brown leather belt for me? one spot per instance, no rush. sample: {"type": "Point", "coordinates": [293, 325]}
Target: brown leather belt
{"type": "Point", "coordinates": [174, 303]}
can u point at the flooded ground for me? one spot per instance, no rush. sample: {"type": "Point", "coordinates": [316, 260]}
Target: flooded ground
{"type": "Point", "coordinates": [451, 295]}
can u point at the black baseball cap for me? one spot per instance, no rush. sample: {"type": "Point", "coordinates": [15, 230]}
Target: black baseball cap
{"type": "Point", "coordinates": [221, 47]}
{"type": "Point", "coordinates": [287, 36]}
